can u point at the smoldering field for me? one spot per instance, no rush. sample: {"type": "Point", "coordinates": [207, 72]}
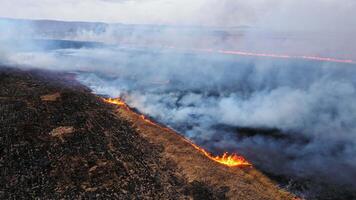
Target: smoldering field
{"type": "Point", "coordinates": [291, 118]}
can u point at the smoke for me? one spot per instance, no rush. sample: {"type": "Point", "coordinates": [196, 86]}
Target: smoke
{"type": "Point", "coordinates": [212, 100]}
{"type": "Point", "coordinates": [292, 118]}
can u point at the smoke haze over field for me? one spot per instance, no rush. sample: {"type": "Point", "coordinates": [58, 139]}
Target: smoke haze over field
{"type": "Point", "coordinates": [290, 117]}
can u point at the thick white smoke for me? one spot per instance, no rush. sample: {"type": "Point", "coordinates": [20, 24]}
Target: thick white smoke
{"type": "Point", "coordinates": [310, 103]}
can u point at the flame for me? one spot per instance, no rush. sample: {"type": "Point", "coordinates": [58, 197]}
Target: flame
{"type": "Point", "coordinates": [268, 55]}
{"type": "Point", "coordinates": [116, 101]}
{"type": "Point", "coordinates": [232, 160]}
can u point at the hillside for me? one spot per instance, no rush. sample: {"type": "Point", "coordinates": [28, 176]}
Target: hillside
{"type": "Point", "coordinates": [58, 140]}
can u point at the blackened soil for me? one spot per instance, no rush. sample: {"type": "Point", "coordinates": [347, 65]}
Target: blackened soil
{"type": "Point", "coordinates": [100, 157]}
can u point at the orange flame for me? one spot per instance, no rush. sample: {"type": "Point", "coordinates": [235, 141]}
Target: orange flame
{"type": "Point", "coordinates": [232, 160]}
{"type": "Point", "coordinates": [116, 101]}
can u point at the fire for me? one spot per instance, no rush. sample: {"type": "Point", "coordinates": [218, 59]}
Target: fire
{"type": "Point", "coordinates": [268, 55]}
{"type": "Point", "coordinates": [116, 101]}
{"type": "Point", "coordinates": [147, 120]}
{"type": "Point", "coordinates": [232, 160]}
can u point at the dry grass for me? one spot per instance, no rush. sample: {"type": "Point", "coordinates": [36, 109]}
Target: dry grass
{"type": "Point", "coordinates": [243, 183]}
{"type": "Point", "coordinates": [51, 97]}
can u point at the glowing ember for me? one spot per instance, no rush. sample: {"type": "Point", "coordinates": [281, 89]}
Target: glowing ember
{"type": "Point", "coordinates": [232, 160]}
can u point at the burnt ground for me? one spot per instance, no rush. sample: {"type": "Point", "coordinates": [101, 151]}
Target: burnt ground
{"type": "Point", "coordinates": [102, 157]}
{"type": "Point", "coordinates": [57, 140]}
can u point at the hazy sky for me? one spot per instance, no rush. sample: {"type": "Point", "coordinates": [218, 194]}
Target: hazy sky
{"type": "Point", "coordinates": [297, 14]}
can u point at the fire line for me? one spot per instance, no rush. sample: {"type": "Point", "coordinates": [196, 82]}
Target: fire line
{"type": "Point", "coordinates": [232, 160]}
{"type": "Point", "coordinates": [268, 55]}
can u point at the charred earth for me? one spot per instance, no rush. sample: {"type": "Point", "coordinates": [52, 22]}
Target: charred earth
{"type": "Point", "coordinates": [57, 140]}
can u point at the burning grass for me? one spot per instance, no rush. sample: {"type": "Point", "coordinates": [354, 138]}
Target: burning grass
{"type": "Point", "coordinates": [230, 171]}
{"type": "Point", "coordinates": [230, 160]}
